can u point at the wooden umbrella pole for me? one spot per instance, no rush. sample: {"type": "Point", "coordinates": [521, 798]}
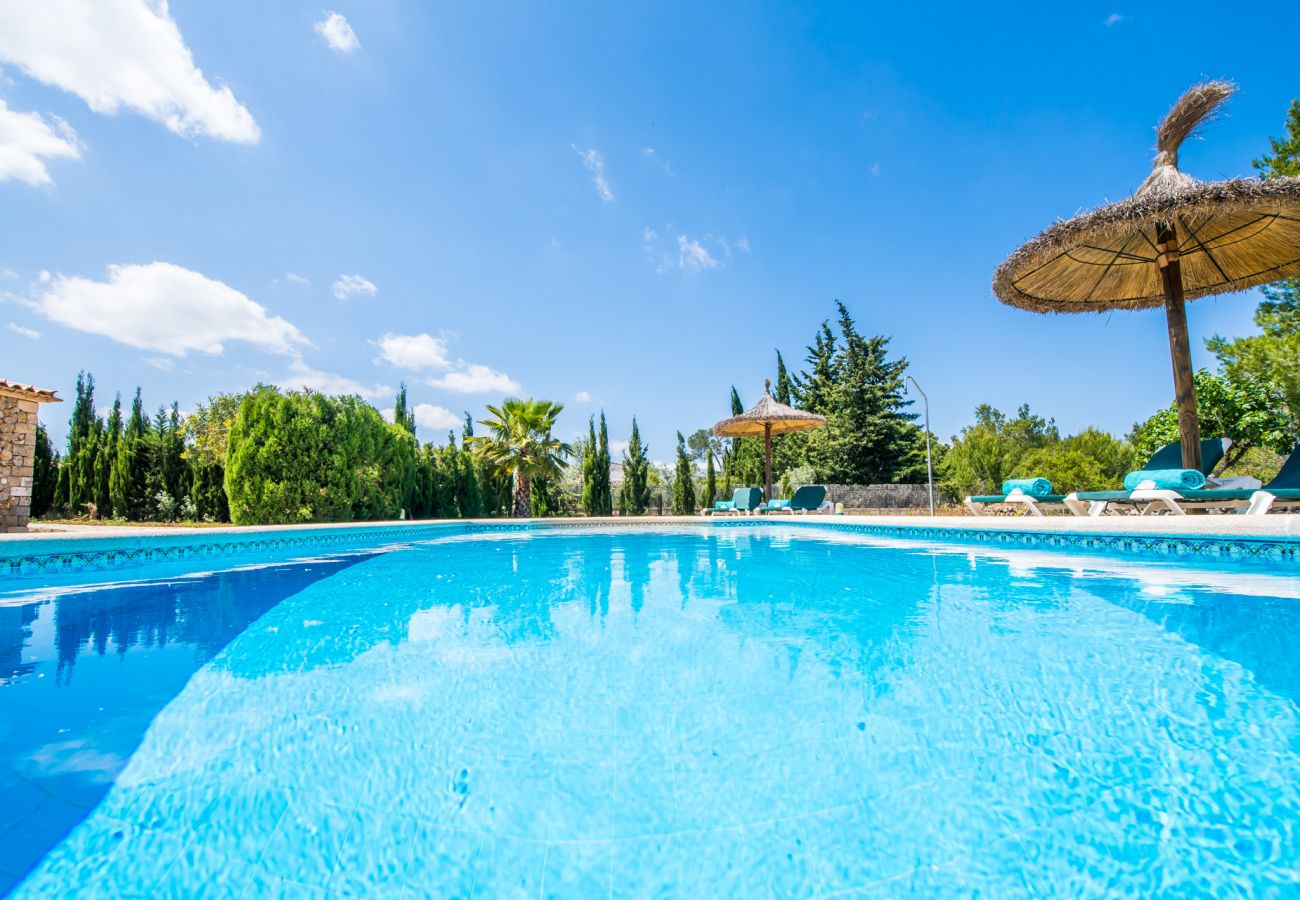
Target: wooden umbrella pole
{"type": "Point", "coordinates": [1171, 277]}
{"type": "Point", "coordinates": [767, 459]}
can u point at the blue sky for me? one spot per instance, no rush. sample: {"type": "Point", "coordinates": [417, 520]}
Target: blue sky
{"type": "Point", "coordinates": [614, 207]}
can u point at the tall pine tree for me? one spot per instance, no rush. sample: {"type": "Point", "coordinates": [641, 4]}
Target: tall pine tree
{"type": "Point", "coordinates": [634, 494]}
{"type": "Point", "coordinates": [683, 481]}
{"type": "Point", "coordinates": [130, 475]}
{"type": "Point", "coordinates": [403, 414]}
{"type": "Point", "coordinates": [587, 457]}
{"type": "Point", "coordinates": [45, 473]}
{"type": "Point", "coordinates": [869, 437]}
{"type": "Point", "coordinates": [710, 482]}
{"type": "Point", "coordinates": [603, 496]}
{"type": "Point", "coordinates": [82, 446]}
{"type": "Point", "coordinates": [782, 381]}
{"type": "Point", "coordinates": [104, 459]}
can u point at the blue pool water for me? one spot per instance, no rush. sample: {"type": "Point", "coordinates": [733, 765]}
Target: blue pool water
{"type": "Point", "coordinates": [701, 712]}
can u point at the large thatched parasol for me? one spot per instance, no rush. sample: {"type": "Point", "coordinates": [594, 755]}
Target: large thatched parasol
{"type": "Point", "coordinates": [767, 417]}
{"type": "Point", "coordinates": [1176, 239]}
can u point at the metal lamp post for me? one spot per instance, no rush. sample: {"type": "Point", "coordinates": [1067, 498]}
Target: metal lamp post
{"type": "Point", "coordinates": [929, 459]}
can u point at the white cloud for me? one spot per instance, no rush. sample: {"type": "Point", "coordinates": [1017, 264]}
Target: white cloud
{"type": "Point", "coordinates": [304, 376]}
{"type": "Point", "coordinates": [296, 278]}
{"type": "Point", "coordinates": [649, 235]}
{"type": "Point", "coordinates": [693, 257]}
{"type": "Point", "coordinates": [594, 163]}
{"type": "Point", "coordinates": [438, 418]}
{"type": "Point", "coordinates": [875, 168]}
{"type": "Point", "coordinates": [164, 307]}
{"type": "Point", "coordinates": [336, 31]}
{"type": "Point", "coordinates": [617, 449]}
{"type": "Point", "coordinates": [348, 286]}
{"type": "Point", "coordinates": [161, 363]}
{"type": "Point", "coordinates": [28, 140]}
{"type": "Point", "coordinates": [650, 154]}
{"type": "Point", "coordinates": [1112, 19]}
{"type": "Point", "coordinates": [30, 333]}
{"type": "Point", "coordinates": [474, 378]}
{"type": "Point", "coordinates": [582, 396]}
{"type": "Point", "coordinates": [118, 54]}
{"type": "Point", "coordinates": [413, 351]}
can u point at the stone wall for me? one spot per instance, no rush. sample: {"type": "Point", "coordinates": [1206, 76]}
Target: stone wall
{"type": "Point", "coordinates": [17, 445]}
{"type": "Point", "coordinates": [881, 496]}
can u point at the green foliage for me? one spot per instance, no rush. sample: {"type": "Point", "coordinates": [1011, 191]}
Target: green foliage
{"type": "Point", "coordinates": [306, 457]}
{"type": "Point", "coordinates": [710, 482]}
{"type": "Point", "coordinates": [743, 460]}
{"type": "Point", "coordinates": [683, 481]}
{"type": "Point", "coordinates": [1284, 158]}
{"type": "Point", "coordinates": [602, 493]}
{"type": "Point", "coordinates": [782, 381]}
{"type": "Point", "coordinates": [988, 452]}
{"type": "Point", "coordinates": [106, 457]}
{"type": "Point", "coordinates": [129, 479]}
{"type": "Point", "coordinates": [586, 451]}
{"type": "Point", "coordinates": [403, 414]}
{"type": "Point", "coordinates": [45, 473]}
{"type": "Point", "coordinates": [634, 494]}
{"type": "Point", "coordinates": [794, 478]}
{"type": "Point", "coordinates": [1091, 460]}
{"type": "Point", "coordinates": [1249, 412]}
{"type": "Point", "coordinates": [544, 499]}
{"type": "Point", "coordinates": [1271, 359]}
{"type": "Point", "coordinates": [869, 437]}
{"type": "Point", "coordinates": [519, 445]}
{"type": "Point", "coordinates": [84, 434]}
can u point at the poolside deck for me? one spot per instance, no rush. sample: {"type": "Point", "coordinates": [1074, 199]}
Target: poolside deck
{"type": "Point", "coordinates": [1286, 527]}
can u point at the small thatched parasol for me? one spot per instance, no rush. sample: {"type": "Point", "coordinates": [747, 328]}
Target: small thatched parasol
{"type": "Point", "coordinates": [1176, 239]}
{"type": "Point", "coordinates": [767, 417]}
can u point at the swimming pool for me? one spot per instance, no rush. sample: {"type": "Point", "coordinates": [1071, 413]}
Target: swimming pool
{"type": "Point", "coordinates": [722, 711]}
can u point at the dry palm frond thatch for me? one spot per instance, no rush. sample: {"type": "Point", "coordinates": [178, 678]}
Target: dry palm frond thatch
{"type": "Point", "coordinates": [1229, 235]}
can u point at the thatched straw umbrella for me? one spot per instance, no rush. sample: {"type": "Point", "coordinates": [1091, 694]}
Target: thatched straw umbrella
{"type": "Point", "coordinates": [1176, 239]}
{"type": "Point", "coordinates": [767, 417]}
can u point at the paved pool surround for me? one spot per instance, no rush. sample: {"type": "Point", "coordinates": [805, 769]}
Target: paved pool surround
{"type": "Point", "coordinates": [71, 548]}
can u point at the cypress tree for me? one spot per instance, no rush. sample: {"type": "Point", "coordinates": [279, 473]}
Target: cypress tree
{"type": "Point", "coordinates": [634, 494]}
{"type": "Point", "coordinates": [81, 448]}
{"type": "Point", "coordinates": [782, 381]}
{"type": "Point", "coordinates": [45, 473]}
{"type": "Point", "coordinates": [604, 496]}
{"type": "Point", "coordinates": [683, 481]}
{"type": "Point", "coordinates": [105, 457]}
{"type": "Point", "coordinates": [403, 415]}
{"type": "Point", "coordinates": [710, 482]}
{"type": "Point", "coordinates": [469, 499]}
{"type": "Point", "coordinates": [129, 478]}
{"type": "Point", "coordinates": [173, 472]}
{"type": "Point", "coordinates": [587, 455]}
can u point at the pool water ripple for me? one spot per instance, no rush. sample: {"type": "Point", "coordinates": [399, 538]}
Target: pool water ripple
{"type": "Point", "coordinates": [718, 714]}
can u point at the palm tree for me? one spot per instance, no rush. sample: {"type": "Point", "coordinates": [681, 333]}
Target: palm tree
{"type": "Point", "coordinates": [519, 443]}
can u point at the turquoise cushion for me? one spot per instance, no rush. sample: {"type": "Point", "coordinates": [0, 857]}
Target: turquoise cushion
{"type": "Point", "coordinates": [724, 505]}
{"type": "Point", "coordinates": [1034, 487]}
{"type": "Point", "coordinates": [1165, 479]}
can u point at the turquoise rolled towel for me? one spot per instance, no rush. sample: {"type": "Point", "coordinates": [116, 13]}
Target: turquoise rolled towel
{"type": "Point", "coordinates": [1166, 479]}
{"type": "Point", "coordinates": [724, 505]}
{"type": "Point", "coordinates": [1034, 487]}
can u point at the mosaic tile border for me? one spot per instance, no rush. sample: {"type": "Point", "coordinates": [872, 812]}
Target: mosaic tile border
{"type": "Point", "coordinates": [1188, 547]}
{"type": "Point", "coordinates": [172, 549]}
{"type": "Point", "coordinates": [120, 552]}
